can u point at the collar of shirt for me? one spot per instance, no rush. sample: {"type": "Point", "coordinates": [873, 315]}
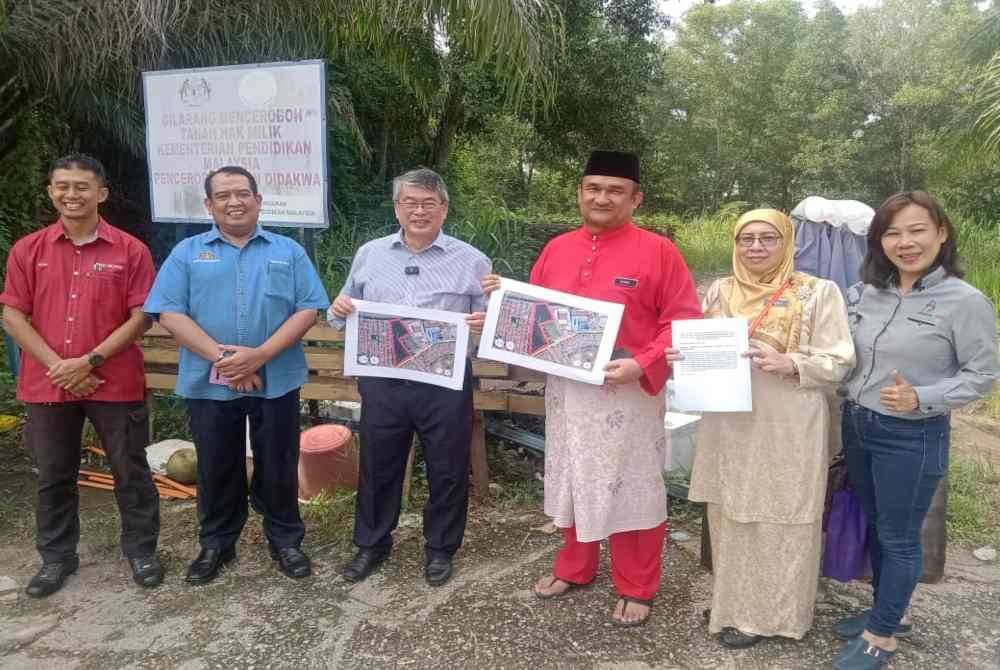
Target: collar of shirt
{"type": "Point", "coordinates": [215, 235]}
{"type": "Point", "coordinates": [442, 242]}
{"type": "Point", "coordinates": [607, 235]}
{"type": "Point", "coordinates": [56, 231]}
{"type": "Point", "coordinates": [935, 276]}
{"type": "Point", "coordinates": [932, 278]}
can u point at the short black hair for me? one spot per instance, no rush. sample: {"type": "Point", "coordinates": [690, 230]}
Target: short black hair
{"type": "Point", "coordinates": [79, 162]}
{"type": "Point", "coordinates": [229, 169]}
{"type": "Point", "coordinates": [877, 269]}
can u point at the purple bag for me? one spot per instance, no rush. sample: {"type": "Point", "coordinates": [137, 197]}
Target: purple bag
{"type": "Point", "coordinates": [845, 552]}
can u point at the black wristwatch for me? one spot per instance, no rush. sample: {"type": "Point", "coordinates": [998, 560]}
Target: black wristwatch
{"type": "Point", "coordinates": [95, 359]}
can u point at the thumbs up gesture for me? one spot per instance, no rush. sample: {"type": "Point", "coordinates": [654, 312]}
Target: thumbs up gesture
{"type": "Point", "coordinates": [901, 396]}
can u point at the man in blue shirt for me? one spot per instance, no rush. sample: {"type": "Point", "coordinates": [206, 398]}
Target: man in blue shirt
{"type": "Point", "coordinates": [238, 300]}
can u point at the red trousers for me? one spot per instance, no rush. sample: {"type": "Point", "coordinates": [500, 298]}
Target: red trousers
{"type": "Point", "coordinates": [635, 560]}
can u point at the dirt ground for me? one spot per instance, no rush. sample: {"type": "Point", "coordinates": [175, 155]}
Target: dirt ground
{"type": "Point", "coordinates": [253, 617]}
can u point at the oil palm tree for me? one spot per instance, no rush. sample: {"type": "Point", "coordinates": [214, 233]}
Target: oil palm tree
{"type": "Point", "coordinates": [87, 55]}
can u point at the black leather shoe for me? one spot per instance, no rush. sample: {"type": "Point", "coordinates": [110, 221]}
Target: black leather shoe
{"type": "Point", "coordinates": [147, 571]}
{"type": "Point", "coordinates": [363, 563]}
{"type": "Point", "coordinates": [736, 639]}
{"type": "Point", "coordinates": [51, 577]}
{"type": "Point", "coordinates": [438, 570]}
{"type": "Point", "coordinates": [206, 567]}
{"type": "Point", "coordinates": [292, 561]}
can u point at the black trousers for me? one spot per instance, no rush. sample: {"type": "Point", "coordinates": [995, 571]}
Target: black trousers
{"type": "Point", "coordinates": [391, 411]}
{"type": "Point", "coordinates": [54, 433]}
{"type": "Point", "coordinates": [219, 429]}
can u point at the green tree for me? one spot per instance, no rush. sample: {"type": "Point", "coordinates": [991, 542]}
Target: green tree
{"type": "Point", "coordinates": [915, 84]}
{"type": "Point", "coordinates": [718, 121]}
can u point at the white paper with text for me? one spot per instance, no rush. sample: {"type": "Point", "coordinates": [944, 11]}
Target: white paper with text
{"type": "Point", "coordinates": [714, 375]}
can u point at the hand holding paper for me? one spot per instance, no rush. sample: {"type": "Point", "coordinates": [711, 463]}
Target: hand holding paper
{"type": "Point", "coordinates": [714, 373]}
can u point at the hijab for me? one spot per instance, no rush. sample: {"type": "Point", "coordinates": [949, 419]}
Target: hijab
{"type": "Point", "coordinates": [747, 293]}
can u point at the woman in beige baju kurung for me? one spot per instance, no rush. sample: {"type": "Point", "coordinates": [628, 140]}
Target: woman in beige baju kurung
{"type": "Point", "coordinates": [763, 473]}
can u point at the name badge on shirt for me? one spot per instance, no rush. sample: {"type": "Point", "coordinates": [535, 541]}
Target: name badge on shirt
{"type": "Point", "coordinates": [626, 282]}
{"type": "Point", "coordinates": [412, 270]}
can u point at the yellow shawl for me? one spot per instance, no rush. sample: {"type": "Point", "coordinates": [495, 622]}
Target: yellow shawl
{"type": "Point", "coordinates": [746, 295]}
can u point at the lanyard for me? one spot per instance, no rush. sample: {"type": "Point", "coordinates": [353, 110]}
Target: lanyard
{"type": "Point", "coordinates": [767, 308]}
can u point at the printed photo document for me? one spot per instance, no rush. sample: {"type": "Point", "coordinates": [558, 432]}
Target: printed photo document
{"type": "Point", "coordinates": [399, 342]}
{"type": "Point", "coordinates": [550, 331]}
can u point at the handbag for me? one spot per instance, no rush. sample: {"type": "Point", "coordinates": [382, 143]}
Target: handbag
{"type": "Point", "coordinates": [845, 550]}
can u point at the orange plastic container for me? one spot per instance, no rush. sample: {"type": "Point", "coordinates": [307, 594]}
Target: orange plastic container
{"type": "Point", "coordinates": [328, 459]}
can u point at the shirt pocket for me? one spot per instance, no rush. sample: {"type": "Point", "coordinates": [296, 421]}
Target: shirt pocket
{"type": "Point", "coordinates": [105, 291]}
{"type": "Point", "coordinates": [280, 284]}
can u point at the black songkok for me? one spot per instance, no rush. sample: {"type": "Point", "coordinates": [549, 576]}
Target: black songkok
{"type": "Point", "coordinates": [613, 164]}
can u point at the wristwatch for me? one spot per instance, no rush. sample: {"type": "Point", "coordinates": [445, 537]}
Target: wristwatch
{"type": "Point", "coordinates": [95, 359]}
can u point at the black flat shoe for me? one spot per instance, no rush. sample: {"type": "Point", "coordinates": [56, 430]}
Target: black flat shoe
{"type": "Point", "coordinates": [51, 577]}
{"type": "Point", "coordinates": [292, 561]}
{"type": "Point", "coordinates": [147, 571]}
{"type": "Point", "coordinates": [735, 639]}
{"type": "Point", "coordinates": [363, 563]}
{"type": "Point", "coordinates": [438, 570]}
{"type": "Point", "coordinates": [206, 567]}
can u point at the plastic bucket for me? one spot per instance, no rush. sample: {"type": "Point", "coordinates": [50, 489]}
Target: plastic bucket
{"type": "Point", "coordinates": [328, 459]}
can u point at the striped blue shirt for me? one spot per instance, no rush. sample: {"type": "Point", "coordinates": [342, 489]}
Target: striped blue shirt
{"type": "Point", "coordinates": [444, 275]}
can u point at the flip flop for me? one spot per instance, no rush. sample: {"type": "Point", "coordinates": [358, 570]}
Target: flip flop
{"type": "Point", "coordinates": [549, 596]}
{"type": "Point", "coordinates": [640, 622]}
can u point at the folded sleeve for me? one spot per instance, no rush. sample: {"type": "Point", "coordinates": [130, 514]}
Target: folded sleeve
{"type": "Point", "coordinates": [309, 290]}
{"type": "Point", "coordinates": [827, 356]}
{"type": "Point", "coordinates": [170, 292]}
{"type": "Point", "coordinates": [19, 283]}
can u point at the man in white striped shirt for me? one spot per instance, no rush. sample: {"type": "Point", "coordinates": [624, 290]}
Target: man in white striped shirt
{"type": "Point", "coordinates": [418, 266]}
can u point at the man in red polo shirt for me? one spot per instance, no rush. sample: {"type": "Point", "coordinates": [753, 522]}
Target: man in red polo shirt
{"type": "Point", "coordinates": [604, 445]}
{"type": "Point", "coordinates": [73, 303]}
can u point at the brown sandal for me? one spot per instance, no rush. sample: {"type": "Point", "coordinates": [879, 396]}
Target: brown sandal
{"type": "Point", "coordinates": [632, 624]}
{"type": "Point", "coordinates": [547, 596]}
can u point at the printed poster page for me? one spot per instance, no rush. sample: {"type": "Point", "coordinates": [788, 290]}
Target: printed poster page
{"type": "Point", "coordinates": [400, 342]}
{"type": "Point", "coordinates": [550, 331]}
{"type": "Point", "coordinates": [714, 375]}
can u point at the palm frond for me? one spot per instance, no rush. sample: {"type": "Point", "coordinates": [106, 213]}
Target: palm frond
{"type": "Point", "coordinates": [988, 98]}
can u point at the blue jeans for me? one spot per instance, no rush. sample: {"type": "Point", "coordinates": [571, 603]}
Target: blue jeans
{"type": "Point", "coordinates": [894, 466]}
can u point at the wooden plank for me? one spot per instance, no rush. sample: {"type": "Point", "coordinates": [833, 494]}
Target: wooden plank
{"type": "Point", "coordinates": [484, 368]}
{"type": "Point", "coordinates": [526, 404]}
{"type": "Point", "coordinates": [525, 375]}
{"type": "Point", "coordinates": [161, 381]}
{"type": "Point", "coordinates": [480, 466]}
{"type": "Point", "coordinates": [491, 402]}
{"type": "Point", "coordinates": [160, 355]}
{"type": "Point", "coordinates": [329, 388]}
{"type": "Point", "coordinates": [342, 388]}
{"type": "Point", "coordinates": [325, 358]}
{"type": "Point", "coordinates": [321, 332]}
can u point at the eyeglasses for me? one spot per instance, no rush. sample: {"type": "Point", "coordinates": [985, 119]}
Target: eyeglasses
{"type": "Point", "coordinates": [766, 241]}
{"type": "Point", "coordinates": [224, 196]}
{"type": "Point", "coordinates": [426, 205]}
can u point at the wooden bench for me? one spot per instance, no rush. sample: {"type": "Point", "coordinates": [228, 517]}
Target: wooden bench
{"type": "Point", "coordinates": [499, 387]}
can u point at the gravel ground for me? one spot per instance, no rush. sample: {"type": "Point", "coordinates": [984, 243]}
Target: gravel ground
{"type": "Point", "coordinates": [253, 617]}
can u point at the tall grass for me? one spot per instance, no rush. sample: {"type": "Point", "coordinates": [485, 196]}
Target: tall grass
{"type": "Point", "coordinates": [707, 241]}
{"type": "Point", "coordinates": [974, 502]}
{"type": "Point", "coordinates": [979, 248]}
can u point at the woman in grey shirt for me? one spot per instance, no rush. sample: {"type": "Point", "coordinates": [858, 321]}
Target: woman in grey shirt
{"type": "Point", "coordinates": [926, 343]}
